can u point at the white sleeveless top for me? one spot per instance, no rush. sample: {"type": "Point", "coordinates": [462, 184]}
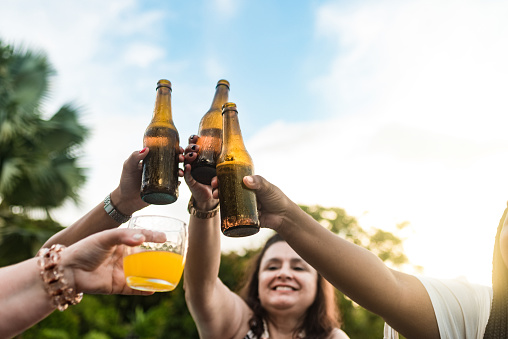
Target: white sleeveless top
{"type": "Point", "coordinates": [462, 309]}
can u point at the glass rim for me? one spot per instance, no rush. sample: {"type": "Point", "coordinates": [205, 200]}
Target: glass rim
{"type": "Point", "coordinates": [157, 216]}
{"type": "Point", "coordinates": [141, 221]}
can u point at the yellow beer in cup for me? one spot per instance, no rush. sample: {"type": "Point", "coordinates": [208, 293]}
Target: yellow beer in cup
{"type": "Point", "coordinates": [156, 267]}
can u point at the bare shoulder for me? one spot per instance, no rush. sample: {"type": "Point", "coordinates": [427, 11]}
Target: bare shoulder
{"type": "Point", "coordinates": [338, 334]}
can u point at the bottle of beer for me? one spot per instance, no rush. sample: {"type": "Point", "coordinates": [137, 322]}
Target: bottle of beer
{"type": "Point", "coordinates": [210, 137]}
{"type": "Point", "coordinates": [238, 207]}
{"type": "Point", "coordinates": [159, 183]}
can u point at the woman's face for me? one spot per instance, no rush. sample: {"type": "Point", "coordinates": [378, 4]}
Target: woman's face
{"type": "Point", "coordinates": [286, 282]}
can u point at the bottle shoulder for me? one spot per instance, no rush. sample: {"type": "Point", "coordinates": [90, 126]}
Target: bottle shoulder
{"type": "Point", "coordinates": [232, 155]}
{"type": "Point", "coordinates": [235, 164]}
{"type": "Point", "coordinates": [161, 124]}
{"type": "Point", "coordinates": [211, 119]}
{"type": "Point", "coordinates": [162, 130]}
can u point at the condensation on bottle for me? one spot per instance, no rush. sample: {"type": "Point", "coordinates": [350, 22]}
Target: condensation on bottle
{"type": "Point", "coordinates": [238, 206]}
{"type": "Point", "coordinates": [203, 169]}
{"type": "Point", "coordinates": [159, 184]}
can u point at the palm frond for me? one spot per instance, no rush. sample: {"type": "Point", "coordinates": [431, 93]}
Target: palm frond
{"type": "Point", "coordinates": [37, 157]}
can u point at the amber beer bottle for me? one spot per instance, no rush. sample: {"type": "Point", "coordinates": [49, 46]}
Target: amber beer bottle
{"type": "Point", "coordinates": [159, 183]}
{"type": "Point", "coordinates": [238, 207]}
{"type": "Point", "coordinates": [210, 137]}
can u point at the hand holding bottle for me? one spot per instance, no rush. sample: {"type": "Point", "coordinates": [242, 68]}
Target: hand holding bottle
{"type": "Point", "coordinates": [273, 205]}
{"type": "Point", "coordinates": [238, 210]}
{"type": "Point", "coordinates": [210, 137]}
{"type": "Point", "coordinates": [201, 193]}
{"type": "Point", "coordinates": [126, 196]}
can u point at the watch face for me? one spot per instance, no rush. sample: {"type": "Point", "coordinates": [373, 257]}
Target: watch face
{"type": "Point", "coordinates": [108, 208]}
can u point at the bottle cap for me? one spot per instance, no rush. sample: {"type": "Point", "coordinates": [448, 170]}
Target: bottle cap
{"type": "Point", "coordinates": [229, 106]}
{"type": "Point", "coordinates": [222, 82]}
{"type": "Point", "coordinates": [163, 83]}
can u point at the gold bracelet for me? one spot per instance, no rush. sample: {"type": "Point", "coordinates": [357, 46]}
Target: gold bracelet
{"type": "Point", "coordinates": [201, 214]}
{"type": "Point", "coordinates": [62, 295]}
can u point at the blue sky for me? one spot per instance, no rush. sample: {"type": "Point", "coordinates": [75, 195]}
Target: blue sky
{"type": "Point", "coordinates": [393, 110]}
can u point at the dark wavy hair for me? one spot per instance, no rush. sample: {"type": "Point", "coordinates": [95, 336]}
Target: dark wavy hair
{"type": "Point", "coordinates": [321, 317]}
{"type": "Point", "coordinates": [497, 327]}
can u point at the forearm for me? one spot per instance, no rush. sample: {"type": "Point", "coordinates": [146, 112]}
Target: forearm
{"type": "Point", "coordinates": [23, 298]}
{"type": "Point", "coordinates": [352, 269]}
{"type": "Point", "coordinates": [96, 220]}
{"type": "Point", "coordinates": [203, 257]}
{"type": "Point", "coordinates": [397, 297]}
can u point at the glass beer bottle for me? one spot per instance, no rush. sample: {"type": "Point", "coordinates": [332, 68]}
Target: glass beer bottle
{"type": "Point", "coordinates": [159, 183]}
{"type": "Point", "coordinates": [210, 137]}
{"type": "Point", "coordinates": [238, 207]}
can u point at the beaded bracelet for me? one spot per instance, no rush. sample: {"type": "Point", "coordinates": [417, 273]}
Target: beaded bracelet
{"type": "Point", "coordinates": [62, 295]}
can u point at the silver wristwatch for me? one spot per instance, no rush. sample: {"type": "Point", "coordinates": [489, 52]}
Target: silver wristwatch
{"type": "Point", "coordinates": [113, 212]}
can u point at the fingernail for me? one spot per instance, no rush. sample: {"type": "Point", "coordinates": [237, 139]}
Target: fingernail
{"type": "Point", "coordinates": [193, 147]}
{"type": "Point", "coordinates": [191, 154]}
{"type": "Point", "coordinates": [249, 179]}
{"type": "Point", "coordinates": [137, 236]}
{"type": "Point", "coordinates": [193, 136]}
{"type": "Point", "coordinates": [142, 151]}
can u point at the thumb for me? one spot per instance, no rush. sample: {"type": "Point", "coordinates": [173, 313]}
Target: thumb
{"type": "Point", "coordinates": [260, 185]}
{"type": "Point", "coordinates": [253, 181]}
{"type": "Point", "coordinates": [108, 239]}
{"type": "Point", "coordinates": [122, 236]}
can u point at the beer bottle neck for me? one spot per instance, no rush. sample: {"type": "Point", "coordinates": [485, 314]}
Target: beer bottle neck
{"type": "Point", "coordinates": [232, 135]}
{"type": "Point", "coordinates": [162, 111]}
{"type": "Point", "coordinates": [220, 98]}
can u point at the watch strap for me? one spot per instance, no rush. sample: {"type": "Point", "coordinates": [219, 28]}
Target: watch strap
{"type": "Point", "coordinates": [113, 212]}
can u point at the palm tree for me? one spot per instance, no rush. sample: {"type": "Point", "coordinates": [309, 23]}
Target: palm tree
{"type": "Point", "coordinates": [38, 158]}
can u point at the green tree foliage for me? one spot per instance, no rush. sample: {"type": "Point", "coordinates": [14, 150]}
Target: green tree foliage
{"type": "Point", "coordinates": [38, 157]}
{"type": "Point", "coordinates": [21, 237]}
{"type": "Point", "coordinates": [165, 315]}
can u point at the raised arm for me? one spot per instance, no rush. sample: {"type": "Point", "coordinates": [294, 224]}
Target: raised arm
{"type": "Point", "coordinates": [217, 311]}
{"type": "Point", "coordinates": [125, 198]}
{"type": "Point", "coordinates": [399, 298]}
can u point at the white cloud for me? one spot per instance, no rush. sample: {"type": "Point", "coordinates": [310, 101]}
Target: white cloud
{"type": "Point", "coordinates": [424, 63]}
{"type": "Point", "coordinates": [142, 55]}
{"type": "Point", "coordinates": [431, 75]}
{"type": "Point", "coordinates": [416, 130]}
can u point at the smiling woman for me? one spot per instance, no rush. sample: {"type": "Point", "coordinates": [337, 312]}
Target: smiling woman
{"type": "Point", "coordinates": [282, 297]}
{"type": "Point", "coordinates": [281, 283]}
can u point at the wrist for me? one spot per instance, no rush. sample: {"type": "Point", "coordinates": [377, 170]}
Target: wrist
{"type": "Point", "coordinates": [57, 277]}
{"type": "Point", "coordinates": [208, 205]}
{"type": "Point", "coordinates": [297, 221]}
{"type": "Point", "coordinates": [122, 205]}
{"type": "Point", "coordinates": [203, 210]}
{"type": "Point", "coordinates": [68, 267]}
{"type": "Point", "coordinates": [114, 212]}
